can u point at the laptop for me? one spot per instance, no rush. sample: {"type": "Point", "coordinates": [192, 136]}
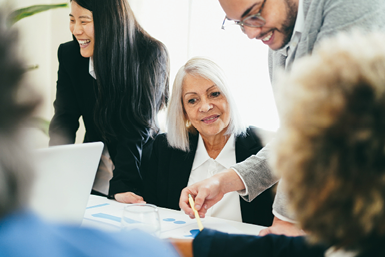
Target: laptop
{"type": "Point", "coordinates": [63, 180]}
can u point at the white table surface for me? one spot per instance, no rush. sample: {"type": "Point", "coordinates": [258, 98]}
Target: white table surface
{"type": "Point", "coordinates": [105, 214]}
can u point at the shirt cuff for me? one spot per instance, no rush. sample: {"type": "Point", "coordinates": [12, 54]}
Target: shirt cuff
{"type": "Point", "coordinates": [245, 191]}
{"type": "Point", "coordinates": [281, 217]}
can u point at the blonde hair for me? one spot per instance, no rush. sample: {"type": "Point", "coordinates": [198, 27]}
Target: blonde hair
{"type": "Point", "coordinates": [178, 126]}
{"type": "Point", "coordinates": [330, 149]}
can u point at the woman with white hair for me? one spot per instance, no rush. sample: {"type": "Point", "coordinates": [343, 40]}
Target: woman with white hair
{"type": "Point", "coordinates": [205, 136]}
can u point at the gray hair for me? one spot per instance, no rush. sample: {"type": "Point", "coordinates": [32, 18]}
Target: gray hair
{"type": "Point", "coordinates": [177, 123]}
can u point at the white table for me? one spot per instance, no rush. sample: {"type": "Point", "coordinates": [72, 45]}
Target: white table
{"type": "Point", "coordinates": [105, 214]}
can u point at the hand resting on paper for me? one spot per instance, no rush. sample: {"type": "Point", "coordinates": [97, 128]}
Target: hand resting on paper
{"type": "Point", "coordinates": [208, 192]}
{"type": "Point", "coordinates": [129, 197]}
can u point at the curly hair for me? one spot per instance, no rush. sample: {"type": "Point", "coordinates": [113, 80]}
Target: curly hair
{"type": "Point", "coordinates": [330, 149]}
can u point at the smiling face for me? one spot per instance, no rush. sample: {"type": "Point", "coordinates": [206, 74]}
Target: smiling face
{"type": "Point", "coordinates": [82, 27]}
{"type": "Point", "coordinates": [280, 16]}
{"type": "Point", "coordinates": [205, 107]}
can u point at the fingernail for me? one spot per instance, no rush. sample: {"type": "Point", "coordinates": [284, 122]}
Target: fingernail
{"type": "Point", "coordinates": [197, 207]}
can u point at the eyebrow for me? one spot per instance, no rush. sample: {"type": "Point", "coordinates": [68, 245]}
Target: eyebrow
{"type": "Point", "coordinates": [249, 9]}
{"type": "Point", "coordinates": [206, 90]}
{"type": "Point", "coordinates": [82, 17]}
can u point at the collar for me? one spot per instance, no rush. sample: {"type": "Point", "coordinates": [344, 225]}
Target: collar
{"type": "Point", "coordinates": [224, 157]}
{"type": "Point", "coordinates": [297, 32]}
{"type": "Point", "coordinates": [91, 68]}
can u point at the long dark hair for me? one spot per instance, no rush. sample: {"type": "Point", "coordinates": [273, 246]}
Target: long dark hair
{"type": "Point", "coordinates": [131, 68]}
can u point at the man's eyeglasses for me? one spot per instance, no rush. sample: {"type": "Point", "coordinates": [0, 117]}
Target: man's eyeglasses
{"type": "Point", "coordinates": [254, 21]}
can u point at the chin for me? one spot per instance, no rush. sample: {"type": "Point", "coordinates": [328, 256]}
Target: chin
{"type": "Point", "coordinates": [85, 55]}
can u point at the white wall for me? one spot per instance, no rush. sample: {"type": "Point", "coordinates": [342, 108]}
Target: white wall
{"type": "Point", "coordinates": [193, 28]}
{"type": "Point", "coordinates": [187, 27]}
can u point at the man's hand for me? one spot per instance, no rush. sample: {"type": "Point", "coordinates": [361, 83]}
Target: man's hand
{"type": "Point", "coordinates": [209, 191]}
{"type": "Point", "coordinates": [129, 197]}
{"type": "Point", "coordinates": [281, 227]}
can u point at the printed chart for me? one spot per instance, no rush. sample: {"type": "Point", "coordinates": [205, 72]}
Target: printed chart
{"type": "Point", "coordinates": [107, 214]}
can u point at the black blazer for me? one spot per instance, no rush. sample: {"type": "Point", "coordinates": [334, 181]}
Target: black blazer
{"type": "Point", "coordinates": [169, 170]}
{"type": "Point", "coordinates": [75, 97]}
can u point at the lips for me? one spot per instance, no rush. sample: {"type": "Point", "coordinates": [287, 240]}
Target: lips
{"type": "Point", "coordinates": [84, 42]}
{"type": "Point", "coordinates": [268, 38]}
{"type": "Point", "coordinates": [210, 119]}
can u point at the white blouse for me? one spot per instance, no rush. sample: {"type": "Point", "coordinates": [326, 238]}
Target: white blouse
{"type": "Point", "coordinates": [205, 167]}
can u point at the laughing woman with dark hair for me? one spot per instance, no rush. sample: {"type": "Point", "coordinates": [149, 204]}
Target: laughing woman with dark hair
{"type": "Point", "coordinates": [114, 75]}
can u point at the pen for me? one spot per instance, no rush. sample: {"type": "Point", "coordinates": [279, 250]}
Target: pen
{"type": "Point", "coordinates": [191, 201]}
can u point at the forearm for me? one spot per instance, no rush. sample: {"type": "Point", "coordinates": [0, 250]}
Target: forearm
{"type": "Point", "coordinates": [256, 173]}
{"type": "Point", "coordinates": [127, 161]}
{"type": "Point", "coordinates": [229, 181]}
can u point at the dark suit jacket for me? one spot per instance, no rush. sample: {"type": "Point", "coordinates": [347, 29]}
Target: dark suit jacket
{"type": "Point", "coordinates": [75, 97]}
{"type": "Point", "coordinates": [214, 243]}
{"type": "Point", "coordinates": [169, 170]}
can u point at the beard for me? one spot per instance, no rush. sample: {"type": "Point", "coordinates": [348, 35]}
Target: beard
{"type": "Point", "coordinates": [289, 23]}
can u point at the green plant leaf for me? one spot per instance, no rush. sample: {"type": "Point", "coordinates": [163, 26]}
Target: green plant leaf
{"type": "Point", "coordinates": [31, 10]}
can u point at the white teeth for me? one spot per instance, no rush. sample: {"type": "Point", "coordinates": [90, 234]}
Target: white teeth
{"type": "Point", "coordinates": [83, 42]}
{"type": "Point", "coordinates": [211, 118]}
{"type": "Point", "coordinates": [267, 37]}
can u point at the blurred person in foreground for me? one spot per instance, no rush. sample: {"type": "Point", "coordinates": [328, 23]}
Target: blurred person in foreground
{"type": "Point", "coordinates": [333, 118]}
{"type": "Point", "coordinates": [22, 233]}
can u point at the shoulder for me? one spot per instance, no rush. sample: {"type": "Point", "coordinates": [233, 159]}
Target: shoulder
{"type": "Point", "coordinates": [162, 146]}
{"type": "Point", "coordinates": [161, 139]}
{"type": "Point", "coordinates": [251, 133]}
{"type": "Point", "coordinates": [70, 47]}
{"type": "Point", "coordinates": [82, 240]}
{"type": "Point", "coordinates": [71, 60]}
{"type": "Point", "coordinates": [248, 143]}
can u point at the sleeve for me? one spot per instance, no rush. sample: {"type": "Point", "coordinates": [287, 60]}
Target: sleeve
{"type": "Point", "coordinates": [127, 161]}
{"type": "Point", "coordinates": [280, 209]}
{"type": "Point", "coordinates": [256, 174]}
{"type": "Point", "coordinates": [131, 146]}
{"type": "Point", "coordinates": [344, 15]}
{"type": "Point", "coordinates": [214, 243]}
{"type": "Point", "coordinates": [65, 122]}
{"type": "Point", "coordinates": [149, 171]}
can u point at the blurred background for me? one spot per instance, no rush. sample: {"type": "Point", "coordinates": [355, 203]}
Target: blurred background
{"type": "Point", "coordinates": [187, 27]}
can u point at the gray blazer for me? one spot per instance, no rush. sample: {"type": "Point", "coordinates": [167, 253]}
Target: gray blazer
{"type": "Point", "coordinates": [323, 18]}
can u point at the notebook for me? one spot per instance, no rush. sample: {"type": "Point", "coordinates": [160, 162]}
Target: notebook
{"type": "Point", "coordinates": [63, 180]}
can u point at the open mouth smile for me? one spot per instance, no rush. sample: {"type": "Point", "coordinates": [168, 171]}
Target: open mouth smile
{"type": "Point", "coordinates": [84, 43]}
{"type": "Point", "coordinates": [210, 119]}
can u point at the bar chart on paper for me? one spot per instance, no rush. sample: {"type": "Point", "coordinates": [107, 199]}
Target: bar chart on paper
{"type": "Point", "coordinates": [107, 214]}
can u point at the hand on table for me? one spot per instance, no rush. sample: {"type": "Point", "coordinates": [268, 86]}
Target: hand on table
{"type": "Point", "coordinates": [129, 197]}
{"type": "Point", "coordinates": [208, 192]}
{"type": "Point", "coordinates": [281, 227]}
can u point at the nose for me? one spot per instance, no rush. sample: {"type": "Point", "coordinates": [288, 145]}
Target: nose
{"type": "Point", "coordinates": [252, 32]}
{"type": "Point", "coordinates": [205, 106]}
{"type": "Point", "coordinates": [77, 29]}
